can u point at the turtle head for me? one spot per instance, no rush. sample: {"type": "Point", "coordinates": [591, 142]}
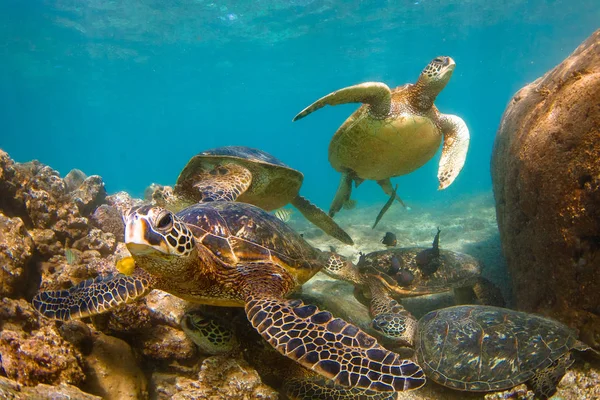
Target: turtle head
{"type": "Point", "coordinates": [158, 241]}
{"type": "Point", "coordinates": [398, 329]}
{"type": "Point", "coordinates": [435, 76]}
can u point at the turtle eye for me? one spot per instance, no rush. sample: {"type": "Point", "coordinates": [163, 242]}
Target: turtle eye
{"type": "Point", "coordinates": [165, 222]}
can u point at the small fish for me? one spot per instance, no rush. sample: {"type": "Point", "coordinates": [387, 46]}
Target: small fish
{"type": "Point", "coordinates": [428, 260]}
{"type": "Point", "coordinates": [386, 207]}
{"type": "Point", "coordinates": [125, 265]}
{"type": "Point", "coordinates": [395, 266]}
{"type": "Point", "coordinates": [71, 257]}
{"type": "Point", "coordinates": [349, 204]}
{"type": "Point", "coordinates": [283, 214]}
{"type": "Point", "coordinates": [436, 243]}
{"type": "Point", "coordinates": [389, 239]}
{"type": "Point", "coordinates": [404, 277]}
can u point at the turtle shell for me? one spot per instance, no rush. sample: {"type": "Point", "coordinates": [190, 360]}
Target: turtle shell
{"type": "Point", "coordinates": [380, 148]}
{"type": "Point", "coordinates": [240, 233]}
{"type": "Point", "coordinates": [483, 348]}
{"type": "Point", "coordinates": [274, 184]}
{"type": "Point", "coordinates": [455, 270]}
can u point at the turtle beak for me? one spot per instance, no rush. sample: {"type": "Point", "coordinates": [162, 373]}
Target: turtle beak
{"type": "Point", "coordinates": [141, 239]}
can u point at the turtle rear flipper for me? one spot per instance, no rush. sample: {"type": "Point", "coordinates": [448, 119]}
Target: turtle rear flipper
{"type": "Point", "coordinates": [330, 346]}
{"type": "Point", "coordinates": [225, 182]}
{"type": "Point", "coordinates": [342, 195]}
{"type": "Point", "coordinates": [376, 94]}
{"type": "Point", "coordinates": [318, 217]}
{"type": "Point", "coordinates": [545, 380]}
{"type": "Point", "coordinates": [454, 149]}
{"type": "Point", "coordinates": [91, 297]}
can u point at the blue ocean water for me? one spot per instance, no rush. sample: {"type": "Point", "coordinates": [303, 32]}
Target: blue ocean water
{"type": "Point", "coordinates": [131, 89]}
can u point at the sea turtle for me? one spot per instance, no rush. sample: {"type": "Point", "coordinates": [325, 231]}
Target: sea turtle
{"type": "Point", "coordinates": [483, 348]}
{"type": "Point", "coordinates": [235, 254]}
{"type": "Point", "coordinates": [238, 173]}
{"type": "Point", "coordinates": [395, 132]}
{"type": "Point", "coordinates": [397, 273]}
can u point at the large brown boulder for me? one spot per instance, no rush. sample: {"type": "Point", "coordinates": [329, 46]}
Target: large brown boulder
{"type": "Point", "coordinates": [546, 176]}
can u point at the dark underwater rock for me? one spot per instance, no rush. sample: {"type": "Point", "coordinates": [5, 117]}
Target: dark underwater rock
{"type": "Point", "coordinates": [109, 219]}
{"type": "Point", "coordinates": [546, 176]}
{"type": "Point", "coordinates": [41, 356]}
{"type": "Point", "coordinates": [74, 179]}
{"type": "Point", "coordinates": [89, 195]}
{"type": "Point", "coordinates": [12, 390]}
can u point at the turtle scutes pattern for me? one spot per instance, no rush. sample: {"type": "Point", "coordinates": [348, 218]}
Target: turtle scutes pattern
{"type": "Point", "coordinates": [477, 348]}
{"type": "Point", "coordinates": [246, 234]}
{"type": "Point", "coordinates": [332, 347]}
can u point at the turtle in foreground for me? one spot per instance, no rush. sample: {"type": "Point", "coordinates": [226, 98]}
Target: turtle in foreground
{"type": "Point", "coordinates": [215, 335]}
{"type": "Point", "coordinates": [482, 348]}
{"type": "Point", "coordinates": [394, 132]}
{"type": "Point", "coordinates": [244, 174]}
{"type": "Point", "coordinates": [397, 273]}
{"type": "Point", "coordinates": [236, 254]}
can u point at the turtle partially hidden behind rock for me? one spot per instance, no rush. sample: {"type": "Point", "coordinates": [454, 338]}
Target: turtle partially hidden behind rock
{"type": "Point", "coordinates": [238, 173]}
{"type": "Point", "coordinates": [394, 132]}
{"type": "Point", "coordinates": [235, 254]}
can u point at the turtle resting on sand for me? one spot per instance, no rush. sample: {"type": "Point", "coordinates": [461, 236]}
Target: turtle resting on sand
{"type": "Point", "coordinates": [394, 132]}
{"type": "Point", "coordinates": [397, 273]}
{"type": "Point", "coordinates": [481, 348]}
{"type": "Point", "coordinates": [235, 254]}
{"type": "Point", "coordinates": [244, 174]}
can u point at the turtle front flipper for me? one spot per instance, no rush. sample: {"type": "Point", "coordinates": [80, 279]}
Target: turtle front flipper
{"type": "Point", "coordinates": [318, 217]}
{"type": "Point", "coordinates": [330, 346]}
{"type": "Point", "coordinates": [91, 297]}
{"type": "Point", "coordinates": [376, 94]}
{"type": "Point", "coordinates": [342, 195]}
{"type": "Point", "coordinates": [545, 380]}
{"type": "Point", "coordinates": [454, 149]}
{"type": "Point", "coordinates": [225, 182]}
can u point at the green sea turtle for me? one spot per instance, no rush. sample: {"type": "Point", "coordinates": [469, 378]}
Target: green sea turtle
{"type": "Point", "coordinates": [394, 132]}
{"type": "Point", "coordinates": [482, 348]}
{"type": "Point", "coordinates": [238, 173]}
{"type": "Point", "coordinates": [398, 273]}
{"type": "Point", "coordinates": [235, 254]}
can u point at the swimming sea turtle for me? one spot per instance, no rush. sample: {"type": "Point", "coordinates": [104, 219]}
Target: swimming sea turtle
{"type": "Point", "coordinates": [481, 348]}
{"type": "Point", "coordinates": [235, 254]}
{"type": "Point", "coordinates": [397, 273]}
{"type": "Point", "coordinates": [238, 173]}
{"type": "Point", "coordinates": [395, 132]}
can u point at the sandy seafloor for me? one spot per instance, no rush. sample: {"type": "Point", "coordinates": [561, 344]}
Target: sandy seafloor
{"type": "Point", "coordinates": [468, 225]}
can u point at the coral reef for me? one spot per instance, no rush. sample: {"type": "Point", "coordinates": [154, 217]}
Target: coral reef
{"type": "Point", "coordinates": [57, 232]}
{"type": "Point", "coordinates": [546, 180]}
